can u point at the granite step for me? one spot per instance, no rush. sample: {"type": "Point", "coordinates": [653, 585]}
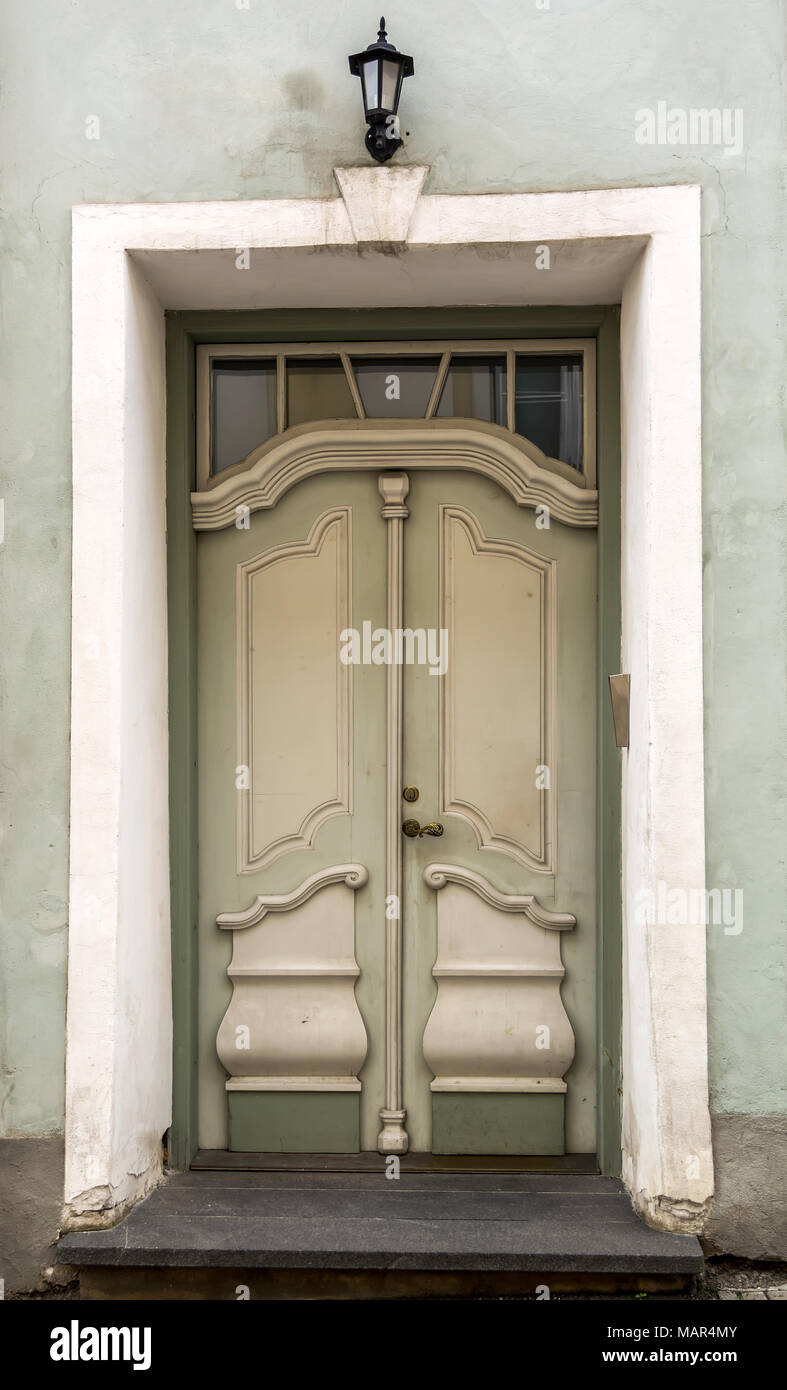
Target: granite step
{"type": "Point", "coordinates": [546, 1222]}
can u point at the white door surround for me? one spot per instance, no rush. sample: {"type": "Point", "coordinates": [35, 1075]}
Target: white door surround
{"type": "Point", "coordinates": [382, 242]}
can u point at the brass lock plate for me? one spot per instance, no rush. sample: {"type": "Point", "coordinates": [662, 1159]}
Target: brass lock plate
{"type": "Point", "coordinates": [411, 793]}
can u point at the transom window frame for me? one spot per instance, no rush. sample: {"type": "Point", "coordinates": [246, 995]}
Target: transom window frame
{"type": "Point", "coordinates": [445, 350]}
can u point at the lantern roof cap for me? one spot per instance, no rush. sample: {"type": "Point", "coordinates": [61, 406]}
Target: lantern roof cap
{"type": "Point", "coordinates": [385, 49]}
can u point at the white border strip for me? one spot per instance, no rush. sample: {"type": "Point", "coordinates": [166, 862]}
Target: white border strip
{"type": "Point", "coordinates": [119, 1005]}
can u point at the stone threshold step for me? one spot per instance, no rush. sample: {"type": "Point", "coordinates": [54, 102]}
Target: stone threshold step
{"type": "Point", "coordinates": [541, 1223]}
{"type": "Point", "coordinates": [223, 1160]}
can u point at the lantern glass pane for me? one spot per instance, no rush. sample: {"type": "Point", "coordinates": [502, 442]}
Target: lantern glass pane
{"type": "Point", "coordinates": [371, 80]}
{"type": "Point", "coordinates": [390, 82]}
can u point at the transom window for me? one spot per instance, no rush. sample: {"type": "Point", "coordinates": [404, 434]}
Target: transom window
{"type": "Point", "coordinates": [541, 391]}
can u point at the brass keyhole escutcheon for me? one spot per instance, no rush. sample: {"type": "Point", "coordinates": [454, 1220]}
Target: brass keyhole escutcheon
{"type": "Point", "coordinates": [410, 793]}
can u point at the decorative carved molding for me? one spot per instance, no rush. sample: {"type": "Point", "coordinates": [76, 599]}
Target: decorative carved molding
{"type": "Point", "coordinates": [498, 1023]}
{"type": "Point", "coordinates": [393, 1138]}
{"type": "Point", "coordinates": [293, 1023]}
{"type": "Point", "coordinates": [518, 466]}
{"type": "Point", "coordinates": [496, 789]}
{"type": "Point", "coordinates": [438, 875]}
{"type": "Point", "coordinates": [316, 745]}
{"type": "Point", "coordinates": [353, 875]}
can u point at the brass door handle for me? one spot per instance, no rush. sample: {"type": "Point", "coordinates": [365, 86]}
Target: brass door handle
{"type": "Point", "coordinates": [411, 828]}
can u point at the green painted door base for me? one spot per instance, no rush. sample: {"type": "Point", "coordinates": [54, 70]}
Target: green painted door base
{"type": "Point", "coordinates": [497, 1124]}
{"type": "Point", "coordinates": [296, 1122]}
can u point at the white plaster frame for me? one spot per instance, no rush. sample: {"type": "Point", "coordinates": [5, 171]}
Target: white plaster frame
{"type": "Point", "coordinates": [639, 246]}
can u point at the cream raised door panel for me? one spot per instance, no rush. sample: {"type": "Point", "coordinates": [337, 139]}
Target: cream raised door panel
{"type": "Point", "coordinates": [294, 693]}
{"type": "Point", "coordinates": [293, 1023]}
{"type": "Point", "coordinates": [498, 1023]}
{"type": "Point", "coordinates": [496, 715]}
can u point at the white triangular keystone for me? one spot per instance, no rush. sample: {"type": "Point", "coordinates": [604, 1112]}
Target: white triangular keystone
{"type": "Point", "coordinates": [380, 202]}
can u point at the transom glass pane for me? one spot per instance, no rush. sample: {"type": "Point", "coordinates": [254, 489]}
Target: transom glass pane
{"type": "Point", "coordinates": [549, 404]}
{"type": "Point", "coordinates": [475, 389]}
{"type": "Point", "coordinates": [243, 409]}
{"type": "Point", "coordinates": [317, 389]}
{"type": "Point", "coordinates": [396, 387]}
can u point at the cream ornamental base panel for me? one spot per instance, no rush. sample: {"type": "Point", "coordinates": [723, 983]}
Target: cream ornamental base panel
{"type": "Point", "coordinates": [639, 247]}
{"type": "Point", "coordinates": [293, 1022]}
{"type": "Point", "coordinates": [498, 1023]}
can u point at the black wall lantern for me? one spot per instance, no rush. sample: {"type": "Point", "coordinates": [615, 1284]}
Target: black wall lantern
{"type": "Point", "coordinates": [382, 69]}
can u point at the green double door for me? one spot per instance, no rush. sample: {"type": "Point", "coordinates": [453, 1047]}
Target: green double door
{"type": "Point", "coordinates": [363, 988]}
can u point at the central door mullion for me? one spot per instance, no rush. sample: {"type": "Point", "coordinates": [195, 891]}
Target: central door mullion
{"type": "Point", "coordinates": [392, 1138]}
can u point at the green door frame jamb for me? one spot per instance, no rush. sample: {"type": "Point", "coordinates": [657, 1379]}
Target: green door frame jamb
{"type": "Point", "coordinates": [184, 331]}
{"type": "Point", "coordinates": [182, 642]}
{"type": "Point", "coordinates": [609, 955]}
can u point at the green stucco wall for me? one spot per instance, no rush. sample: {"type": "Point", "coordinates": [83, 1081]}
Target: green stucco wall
{"type": "Point", "coordinates": [201, 99]}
